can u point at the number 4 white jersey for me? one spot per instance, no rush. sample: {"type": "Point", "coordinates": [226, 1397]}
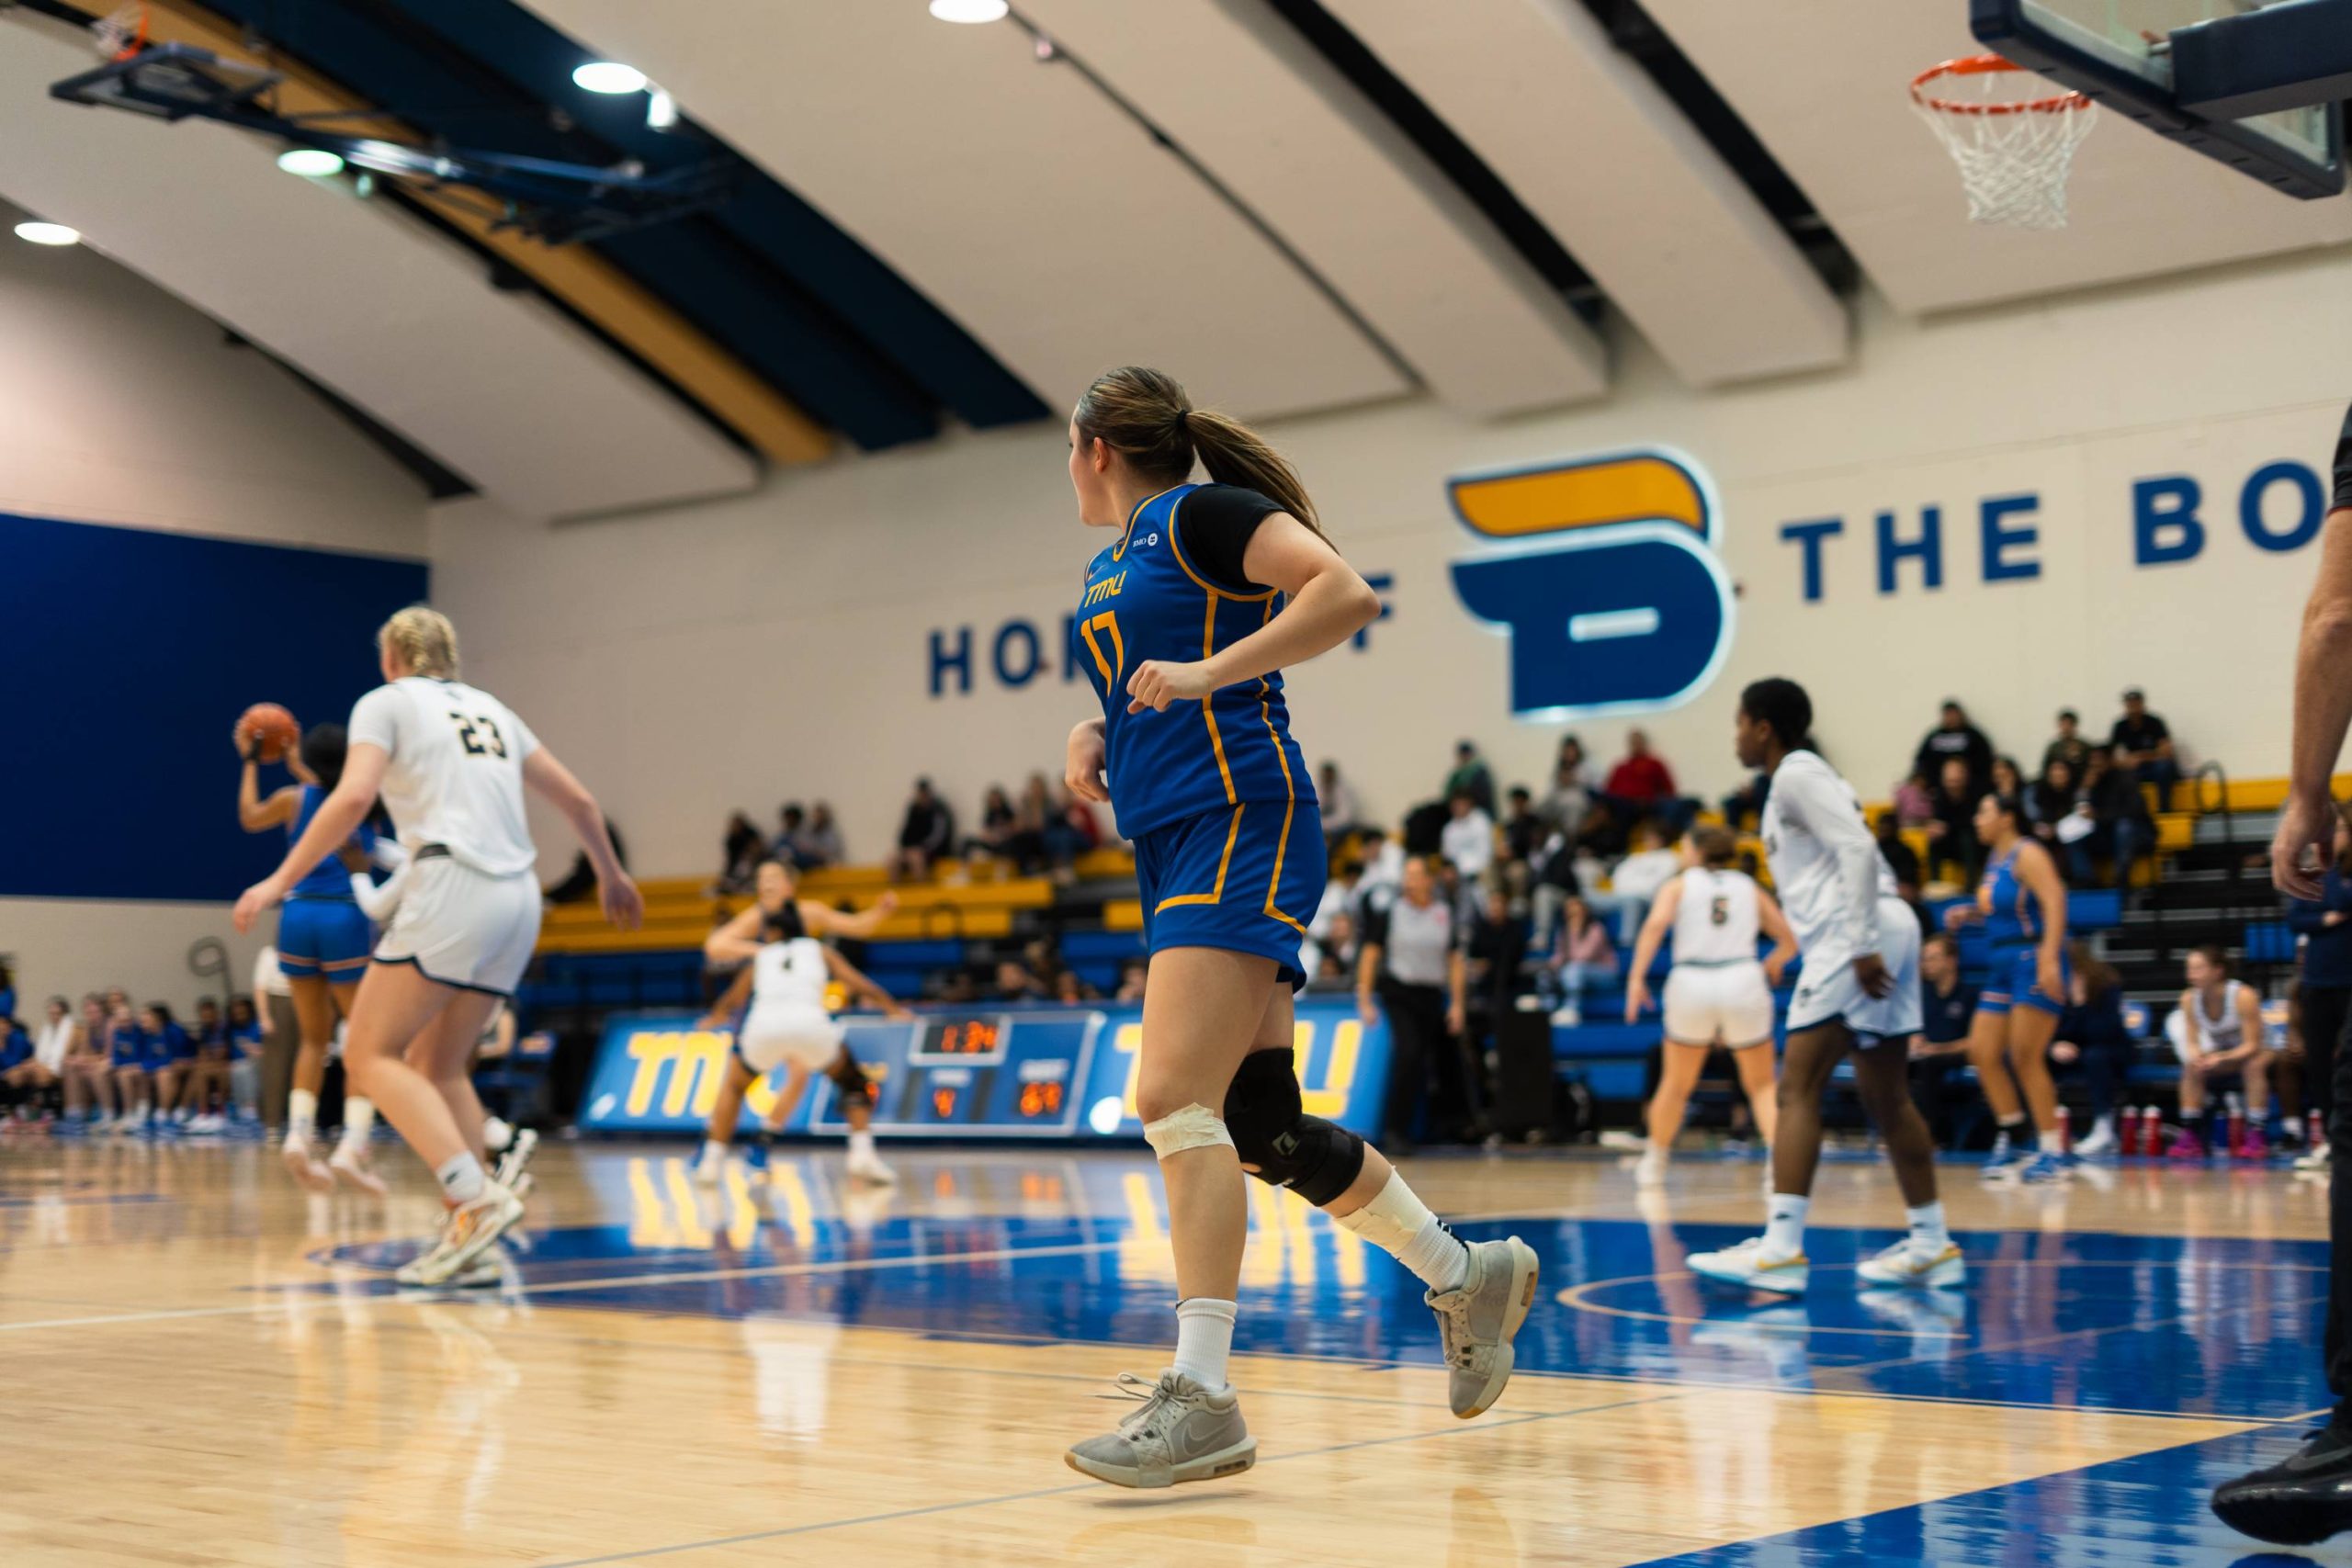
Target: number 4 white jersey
{"type": "Point", "coordinates": [1826, 866]}
{"type": "Point", "coordinates": [455, 775]}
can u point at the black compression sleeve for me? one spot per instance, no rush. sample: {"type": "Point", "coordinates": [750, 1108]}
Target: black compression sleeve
{"type": "Point", "coordinates": [2344, 463]}
{"type": "Point", "coordinates": [1217, 523]}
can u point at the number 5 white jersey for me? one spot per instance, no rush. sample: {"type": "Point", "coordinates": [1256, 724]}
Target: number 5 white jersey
{"type": "Point", "coordinates": [456, 774]}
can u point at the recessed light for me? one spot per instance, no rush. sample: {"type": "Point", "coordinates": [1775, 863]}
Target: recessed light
{"type": "Point", "coordinates": [970, 10]}
{"type": "Point", "coordinates": [311, 163]}
{"type": "Point", "coordinates": [41, 234]}
{"type": "Point", "coordinates": [608, 76]}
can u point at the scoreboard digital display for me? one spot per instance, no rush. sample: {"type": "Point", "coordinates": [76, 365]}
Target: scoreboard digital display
{"type": "Point", "coordinates": [988, 1073]}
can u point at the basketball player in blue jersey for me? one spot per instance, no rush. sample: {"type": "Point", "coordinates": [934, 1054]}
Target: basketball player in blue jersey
{"type": "Point", "coordinates": [323, 944]}
{"type": "Point", "coordinates": [1186, 623]}
{"type": "Point", "coordinates": [2022, 901]}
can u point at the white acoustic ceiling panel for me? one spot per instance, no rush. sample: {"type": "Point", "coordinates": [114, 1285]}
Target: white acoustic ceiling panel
{"type": "Point", "coordinates": [395, 318]}
{"type": "Point", "coordinates": [1613, 169]}
{"type": "Point", "coordinates": [1239, 89]}
{"type": "Point", "coordinates": [1825, 84]}
{"type": "Point", "coordinates": [1011, 191]}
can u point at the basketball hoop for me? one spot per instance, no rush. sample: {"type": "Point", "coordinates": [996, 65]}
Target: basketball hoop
{"type": "Point", "coordinates": [2013, 153]}
{"type": "Point", "coordinates": [120, 33]}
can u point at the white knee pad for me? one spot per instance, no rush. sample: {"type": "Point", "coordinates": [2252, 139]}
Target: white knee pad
{"type": "Point", "coordinates": [1193, 1127]}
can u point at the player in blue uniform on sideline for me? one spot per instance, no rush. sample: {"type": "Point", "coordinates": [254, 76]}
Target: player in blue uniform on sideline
{"type": "Point", "coordinates": [1185, 623]}
{"type": "Point", "coordinates": [2022, 901]}
{"type": "Point", "coordinates": [324, 941]}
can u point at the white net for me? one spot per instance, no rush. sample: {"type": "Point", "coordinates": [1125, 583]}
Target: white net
{"type": "Point", "coordinates": [2013, 164]}
{"type": "Point", "coordinates": [120, 32]}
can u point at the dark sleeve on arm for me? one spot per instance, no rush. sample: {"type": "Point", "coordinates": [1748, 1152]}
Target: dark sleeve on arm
{"type": "Point", "coordinates": [1215, 523]}
{"type": "Point", "coordinates": [2344, 463]}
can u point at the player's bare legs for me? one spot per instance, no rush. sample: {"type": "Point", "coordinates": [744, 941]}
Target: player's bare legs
{"type": "Point", "coordinates": [1988, 1052]}
{"type": "Point", "coordinates": [1758, 1070]}
{"type": "Point", "coordinates": [2030, 1033]}
{"type": "Point", "coordinates": [316, 1008]}
{"type": "Point", "coordinates": [1202, 1010]}
{"type": "Point", "coordinates": [1679, 1069]}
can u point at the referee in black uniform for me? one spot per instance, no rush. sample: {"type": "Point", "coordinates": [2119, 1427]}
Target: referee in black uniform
{"type": "Point", "coordinates": [2309, 1496]}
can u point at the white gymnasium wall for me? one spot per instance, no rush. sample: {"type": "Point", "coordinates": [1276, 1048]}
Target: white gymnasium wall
{"type": "Point", "coordinates": [777, 645]}
{"type": "Point", "coordinates": [118, 405]}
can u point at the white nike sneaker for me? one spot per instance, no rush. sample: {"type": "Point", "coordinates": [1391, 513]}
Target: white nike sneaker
{"type": "Point", "coordinates": [304, 1166]}
{"type": "Point", "coordinates": [350, 1161]}
{"type": "Point", "coordinates": [1650, 1169]}
{"type": "Point", "coordinates": [2101, 1141]}
{"type": "Point", "coordinates": [868, 1167]}
{"type": "Point", "coordinates": [1749, 1265]}
{"type": "Point", "coordinates": [709, 1167]}
{"type": "Point", "coordinates": [1478, 1320]}
{"type": "Point", "coordinates": [473, 1228]}
{"type": "Point", "coordinates": [1903, 1264]}
{"type": "Point", "coordinates": [1183, 1432]}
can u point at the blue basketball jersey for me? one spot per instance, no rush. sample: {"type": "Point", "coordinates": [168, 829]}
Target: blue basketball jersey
{"type": "Point", "coordinates": [328, 879]}
{"type": "Point", "coordinates": [2013, 921]}
{"type": "Point", "coordinates": [1144, 600]}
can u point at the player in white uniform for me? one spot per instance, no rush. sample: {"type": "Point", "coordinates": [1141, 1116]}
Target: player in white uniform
{"type": "Point", "coordinates": [789, 1026]}
{"type": "Point", "coordinates": [451, 762]}
{"type": "Point", "coordinates": [1859, 994]}
{"type": "Point", "coordinates": [1717, 994]}
{"type": "Point", "coordinates": [2216, 1029]}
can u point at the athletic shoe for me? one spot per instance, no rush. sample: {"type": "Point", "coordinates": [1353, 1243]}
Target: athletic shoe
{"type": "Point", "coordinates": [2253, 1147]}
{"type": "Point", "coordinates": [1650, 1169]}
{"type": "Point", "coordinates": [1478, 1318]}
{"type": "Point", "coordinates": [521, 1145]}
{"type": "Point", "coordinates": [2186, 1145]}
{"type": "Point", "coordinates": [350, 1161]}
{"type": "Point", "coordinates": [2304, 1499]}
{"type": "Point", "coordinates": [2045, 1170]}
{"type": "Point", "coordinates": [1181, 1433]}
{"type": "Point", "coordinates": [2100, 1142]}
{"type": "Point", "coordinates": [1747, 1265]}
{"type": "Point", "coordinates": [486, 1273]}
{"type": "Point", "coordinates": [304, 1167]}
{"type": "Point", "coordinates": [1903, 1264]}
{"type": "Point", "coordinates": [2005, 1160]}
{"type": "Point", "coordinates": [2316, 1160]}
{"type": "Point", "coordinates": [709, 1167]}
{"type": "Point", "coordinates": [472, 1229]}
{"type": "Point", "coordinates": [868, 1167]}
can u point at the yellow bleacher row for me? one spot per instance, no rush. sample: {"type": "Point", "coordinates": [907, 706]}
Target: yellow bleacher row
{"type": "Point", "coordinates": [680, 910]}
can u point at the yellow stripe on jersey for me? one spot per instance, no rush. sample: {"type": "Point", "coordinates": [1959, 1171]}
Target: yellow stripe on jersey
{"type": "Point", "coordinates": [1119, 550]}
{"type": "Point", "coordinates": [1290, 796]}
{"type": "Point", "coordinates": [1215, 893]}
{"type": "Point", "coordinates": [1208, 703]}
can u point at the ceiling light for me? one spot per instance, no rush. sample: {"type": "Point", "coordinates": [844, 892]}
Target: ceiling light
{"type": "Point", "coordinates": [608, 76]}
{"type": "Point", "coordinates": [311, 163]}
{"type": "Point", "coordinates": [970, 10]}
{"type": "Point", "coordinates": [48, 233]}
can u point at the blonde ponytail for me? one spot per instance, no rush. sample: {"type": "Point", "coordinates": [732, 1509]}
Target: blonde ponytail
{"type": "Point", "coordinates": [1145, 417]}
{"type": "Point", "coordinates": [422, 640]}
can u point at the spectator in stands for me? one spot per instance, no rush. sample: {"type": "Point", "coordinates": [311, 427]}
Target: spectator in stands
{"type": "Point", "coordinates": [1951, 835]}
{"type": "Point", "coordinates": [820, 843]}
{"type": "Point", "coordinates": [1468, 840]}
{"type": "Point", "coordinates": [2092, 1038]}
{"type": "Point", "coordinates": [791, 819]}
{"type": "Point", "coordinates": [1914, 803]}
{"type": "Point", "coordinates": [89, 1066]}
{"type": "Point", "coordinates": [1636, 879]}
{"type": "Point", "coordinates": [1070, 987]}
{"type": "Point", "coordinates": [1574, 785]}
{"type": "Point", "coordinates": [1015, 983]}
{"type": "Point", "coordinates": [1955, 737]}
{"type": "Point", "coordinates": [925, 833]}
{"type": "Point", "coordinates": [1471, 775]}
{"type": "Point", "coordinates": [1746, 804]}
{"type": "Point", "coordinates": [2325, 923]}
{"type": "Point", "coordinates": [1489, 982]}
{"type": "Point", "coordinates": [1342, 814]}
{"type": "Point", "coordinates": [2141, 746]}
{"type": "Point", "coordinates": [742, 856]}
{"type": "Point", "coordinates": [1329, 955]}
{"type": "Point", "coordinates": [1939, 1051]}
{"type": "Point", "coordinates": [1898, 854]}
{"type": "Point", "coordinates": [244, 1054]}
{"type": "Point", "coordinates": [1041, 838]}
{"type": "Point", "coordinates": [2051, 800]}
{"type": "Point", "coordinates": [1000, 825]}
{"type": "Point", "coordinates": [579, 884]}
{"type": "Point", "coordinates": [1132, 974]}
{"type": "Point", "coordinates": [2118, 827]}
{"type": "Point", "coordinates": [44, 1069]}
{"type": "Point", "coordinates": [1555, 880]}
{"type": "Point", "coordinates": [2069, 747]}
{"type": "Point", "coordinates": [2216, 1030]}
{"type": "Point", "coordinates": [1524, 832]}
{"type": "Point", "coordinates": [1641, 785]}
{"type": "Point", "coordinates": [2008, 781]}
{"type": "Point", "coordinates": [1405, 969]}
{"type": "Point", "coordinates": [206, 1080]}
{"type": "Point", "coordinates": [1587, 956]}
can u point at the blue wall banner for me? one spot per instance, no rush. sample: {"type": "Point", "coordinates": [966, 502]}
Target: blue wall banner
{"type": "Point", "coordinates": [1028, 1072]}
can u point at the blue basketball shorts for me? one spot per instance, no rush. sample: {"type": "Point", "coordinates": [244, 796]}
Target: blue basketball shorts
{"type": "Point", "coordinates": [324, 939]}
{"type": "Point", "coordinates": [2016, 982]}
{"type": "Point", "coordinates": [1246, 879]}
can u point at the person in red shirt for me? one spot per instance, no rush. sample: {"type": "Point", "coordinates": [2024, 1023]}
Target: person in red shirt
{"type": "Point", "coordinates": [1642, 786]}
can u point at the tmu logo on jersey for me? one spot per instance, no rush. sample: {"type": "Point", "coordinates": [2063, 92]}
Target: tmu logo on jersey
{"type": "Point", "coordinates": [1603, 573]}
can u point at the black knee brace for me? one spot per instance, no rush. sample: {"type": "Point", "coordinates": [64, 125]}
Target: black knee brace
{"type": "Point", "coordinates": [851, 1080]}
{"type": "Point", "coordinates": [1278, 1141]}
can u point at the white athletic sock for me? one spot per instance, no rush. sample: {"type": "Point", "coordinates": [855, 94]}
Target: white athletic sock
{"type": "Point", "coordinates": [358, 1118]}
{"type": "Point", "coordinates": [302, 1113]}
{"type": "Point", "coordinates": [1928, 1233]}
{"type": "Point", "coordinates": [861, 1147]}
{"type": "Point", "coordinates": [1784, 1224]}
{"type": "Point", "coordinates": [1401, 1226]}
{"type": "Point", "coordinates": [2051, 1144]}
{"type": "Point", "coordinates": [462, 1180]}
{"type": "Point", "coordinates": [1203, 1337]}
{"type": "Point", "coordinates": [713, 1152]}
{"type": "Point", "coordinates": [2014, 1122]}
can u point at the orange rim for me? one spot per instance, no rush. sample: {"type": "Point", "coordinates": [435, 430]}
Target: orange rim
{"type": "Point", "coordinates": [1986, 65]}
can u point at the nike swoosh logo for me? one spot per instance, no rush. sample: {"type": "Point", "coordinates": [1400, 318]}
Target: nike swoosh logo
{"type": "Point", "coordinates": [2304, 1462]}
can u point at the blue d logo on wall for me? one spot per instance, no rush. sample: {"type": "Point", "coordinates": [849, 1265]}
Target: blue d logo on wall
{"type": "Point", "coordinates": [1603, 573]}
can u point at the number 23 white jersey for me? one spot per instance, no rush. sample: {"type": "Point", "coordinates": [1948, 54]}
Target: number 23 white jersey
{"type": "Point", "coordinates": [456, 773]}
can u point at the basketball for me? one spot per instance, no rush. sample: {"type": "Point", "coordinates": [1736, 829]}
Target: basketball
{"type": "Point", "coordinates": [271, 730]}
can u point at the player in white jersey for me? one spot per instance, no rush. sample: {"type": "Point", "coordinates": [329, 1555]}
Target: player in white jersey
{"type": "Point", "coordinates": [2216, 1030]}
{"type": "Point", "coordinates": [1718, 994]}
{"type": "Point", "coordinates": [789, 1026]}
{"type": "Point", "coordinates": [1860, 992]}
{"type": "Point", "coordinates": [451, 762]}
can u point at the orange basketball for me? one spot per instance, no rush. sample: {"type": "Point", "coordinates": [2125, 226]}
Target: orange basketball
{"type": "Point", "coordinates": [271, 730]}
